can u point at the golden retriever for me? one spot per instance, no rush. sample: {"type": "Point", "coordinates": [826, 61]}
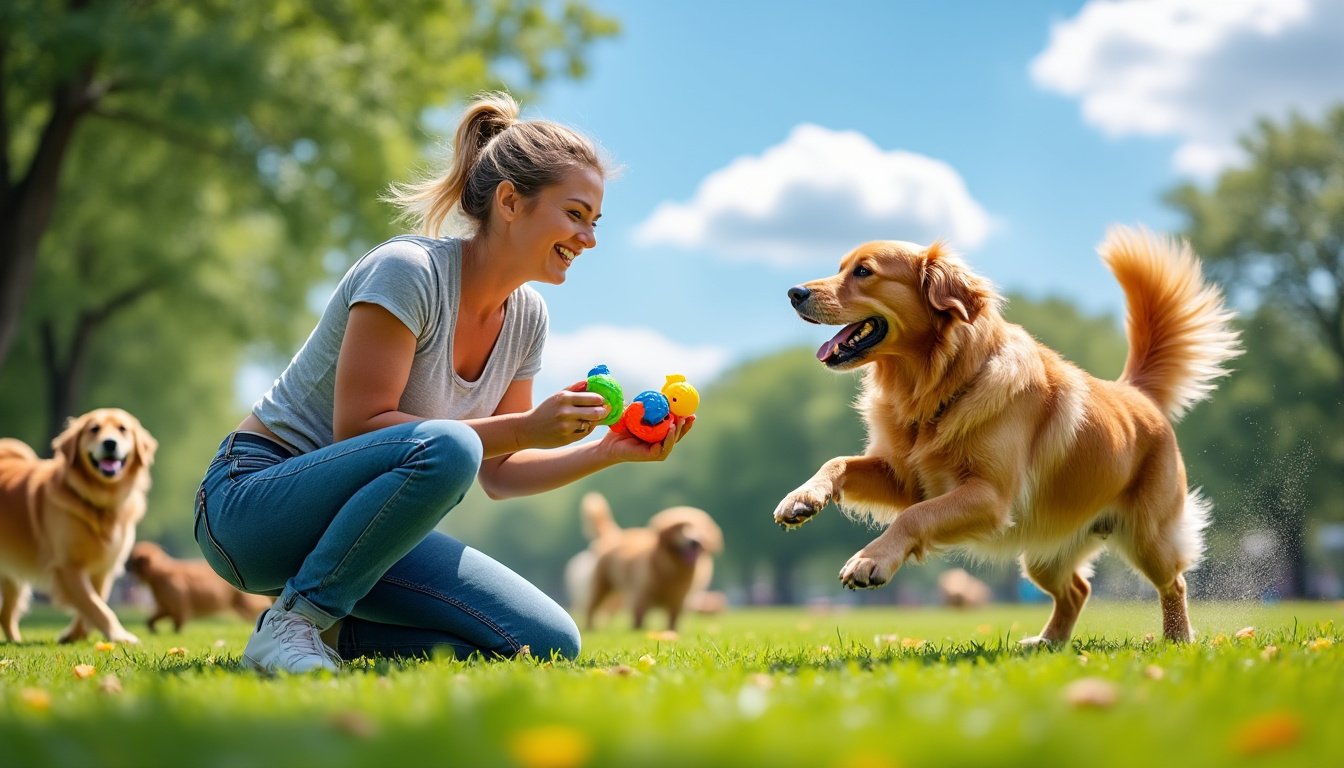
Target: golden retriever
{"type": "Point", "coordinates": [960, 589]}
{"type": "Point", "coordinates": [654, 567]}
{"type": "Point", "coordinates": [982, 438]}
{"type": "Point", "coordinates": [68, 522]}
{"type": "Point", "coordinates": [187, 589]}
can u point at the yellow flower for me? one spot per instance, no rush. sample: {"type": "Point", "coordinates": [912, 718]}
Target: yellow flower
{"type": "Point", "coordinates": [1091, 693]}
{"type": "Point", "coordinates": [177, 651]}
{"type": "Point", "coordinates": [1320, 644]}
{"type": "Point", "coordinates": [84, 671]}
{"type": "Point", "coordinates": [550, 746]}
{"type": "Point", "coordinates": [109, 684]}
{"type": "Point", "coordinates": [1269, 652]}
{"type": "Point", "coordinates": [1267, 733]}
{"type": "Point", "coordinates": [35, 698]}
{"type": "Point", "coordinates": [104, 647]}
{"type": "Point", "coordinates": [648, 662]}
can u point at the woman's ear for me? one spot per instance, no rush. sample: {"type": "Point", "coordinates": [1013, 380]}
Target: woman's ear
{"type": "Point", "coordinates": [507, 200]}
{"type": "Point", "coordinates": [950, 287]}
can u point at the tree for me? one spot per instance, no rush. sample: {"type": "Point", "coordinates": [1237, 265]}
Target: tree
{"type": "Point", "coordinates": [1273, 231]}
{"type": "Point", "coordinates": [291, 108]}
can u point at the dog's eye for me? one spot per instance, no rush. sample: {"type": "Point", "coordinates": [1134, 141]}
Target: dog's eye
{"type": "Point", "coordinates": [94, 429]}
{"type": "Point", "coordinates": [862, 271]}
{"type": "Point", "coordinates": [122, 429]}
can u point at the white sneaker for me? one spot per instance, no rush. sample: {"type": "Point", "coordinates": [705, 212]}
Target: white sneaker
{"type": "Point", "coordinates": [287, 642]}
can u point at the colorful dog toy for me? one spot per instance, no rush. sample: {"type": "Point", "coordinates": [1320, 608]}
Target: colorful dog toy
{"type": "Point", "coordinates": [600, 381]}
{"type": "Point", "coordinates": [649, 416]}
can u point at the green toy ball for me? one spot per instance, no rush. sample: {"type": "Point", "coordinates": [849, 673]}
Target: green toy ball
{"type": "Point", "coordinates": [600, 381]}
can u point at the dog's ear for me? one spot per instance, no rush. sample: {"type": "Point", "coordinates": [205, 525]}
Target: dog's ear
{"type": "Point", "coordinates": [950, 287]}
{"type": "Point", "coordinates": [145, 444]}
{"type": "Point", "coordinates": [672, 535]}
{"type": "Point", "coordinates": [66, 445]}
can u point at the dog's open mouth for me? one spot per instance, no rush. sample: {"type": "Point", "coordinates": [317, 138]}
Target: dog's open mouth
{"type": "Point", "coordinates": [852, 341]}
{"type": "Point", "coordinates": [109, 466]}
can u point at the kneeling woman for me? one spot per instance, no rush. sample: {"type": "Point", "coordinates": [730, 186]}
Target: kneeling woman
{"type": "Point", "coordinates": [416, 381]}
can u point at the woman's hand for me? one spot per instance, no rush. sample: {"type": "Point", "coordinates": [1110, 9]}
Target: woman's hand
{"type": "Point", "coordinates": [568, 415]}
{"type": "Point", "coordinates": [627, 447]}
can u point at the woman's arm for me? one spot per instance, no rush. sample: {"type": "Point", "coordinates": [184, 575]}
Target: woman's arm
{"type": "Point", "coordinates": [526, 472]}
{"type": "Point", "coordinates": [375, 364]}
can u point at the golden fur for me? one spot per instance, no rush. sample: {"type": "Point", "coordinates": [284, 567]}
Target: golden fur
{"type": "Point", "coordinates": [68, 522]}
{"type": "Point", "coordinates": [187, 589]}
{"type": "Point", "coordinates": [982, 438]}
{"type": "Point", "coordinates": [654, 567]}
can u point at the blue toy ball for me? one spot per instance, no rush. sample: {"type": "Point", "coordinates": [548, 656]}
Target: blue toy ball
{"type": "Point", "coordinates": [655, 404]}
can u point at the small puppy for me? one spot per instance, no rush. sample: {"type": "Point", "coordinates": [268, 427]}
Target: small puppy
{"type": "Point", "coordinates": [68, 522]}
{"type": "Point", "coordinates": [982, 438]}
{"type": "Point", "coordinates": [960, 589]}
{"type": "Point", "coordinates": [187, 589]}
{"type": "Point", "coordinates": [653, 567]}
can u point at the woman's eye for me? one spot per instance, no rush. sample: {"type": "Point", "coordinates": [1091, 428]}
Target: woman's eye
{"type": "Point", "coordinates": [862, 271]}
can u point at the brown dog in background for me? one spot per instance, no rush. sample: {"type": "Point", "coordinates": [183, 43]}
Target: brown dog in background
{"type": "Point", "coordinates": [187, 589]}
{"type": "Point", "coordinates": [68, 522]}
{"type": "Point", "coordinates": [653, 567]}
{"type": "Point", "coordinates": [981, 437]}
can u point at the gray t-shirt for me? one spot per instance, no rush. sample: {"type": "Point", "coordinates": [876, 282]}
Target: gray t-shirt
{"type": "Point", "coordinates": [418, 280]}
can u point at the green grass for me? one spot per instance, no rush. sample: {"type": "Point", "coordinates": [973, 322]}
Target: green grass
{"type": "Point", "coordinates": [862, 688]}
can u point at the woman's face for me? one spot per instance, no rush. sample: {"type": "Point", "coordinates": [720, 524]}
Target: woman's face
{"type": "Point", "coordinates": [557, 225]}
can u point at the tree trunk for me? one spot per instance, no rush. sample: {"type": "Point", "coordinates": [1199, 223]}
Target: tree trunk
{"type": "Point", "coordinates": [27, 205]}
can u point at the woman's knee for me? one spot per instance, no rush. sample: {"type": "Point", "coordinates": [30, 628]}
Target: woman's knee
{"type": "Point", "coordinates": [556, 637]}
{"type": "Point", "coordinates": [451, 449]}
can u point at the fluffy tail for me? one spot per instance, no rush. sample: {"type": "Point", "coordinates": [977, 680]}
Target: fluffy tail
{"type": "Point", "coordinates": [598, 523]}
{"type": "Point", "coordinates": [1179, 329]}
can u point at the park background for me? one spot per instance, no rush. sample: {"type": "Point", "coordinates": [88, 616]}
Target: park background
{"type": "Point", "coordinates": [184, 183]}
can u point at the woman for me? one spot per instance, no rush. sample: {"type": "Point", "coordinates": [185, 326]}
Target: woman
{"type": "Point", "coordinates": [417, 380]}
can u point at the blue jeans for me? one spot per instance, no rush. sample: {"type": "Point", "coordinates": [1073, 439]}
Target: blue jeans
{"type": "Point", "coordinates": [346, 532]}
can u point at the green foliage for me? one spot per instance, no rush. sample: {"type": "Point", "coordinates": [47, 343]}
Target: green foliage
{"type": "Point", "coordinates": [228, 166]}
{"type": "Point", "coordinates": [753, 688]}
{"type": "Point", "coordinates": [1273, 233]}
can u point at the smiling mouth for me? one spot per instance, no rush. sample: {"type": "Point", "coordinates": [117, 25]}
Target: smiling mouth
{"type": "Point", "coordinates": [852, 342]}
{"type": "Point", "coordinates": [109, 466]}
{"type": "Point", "coordinates": [567, 255]}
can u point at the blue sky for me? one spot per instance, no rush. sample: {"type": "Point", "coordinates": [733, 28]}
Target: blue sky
{"type": "Point", "coordinates": [761, 140]}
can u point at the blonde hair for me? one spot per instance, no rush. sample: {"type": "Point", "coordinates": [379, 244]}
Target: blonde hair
{"type": "Point", "coordinates": [492, 145]}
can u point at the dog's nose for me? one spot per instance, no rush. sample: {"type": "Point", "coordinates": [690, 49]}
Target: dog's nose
{"type": "Point", "coordinates": [798, 294]}
{"type": "Point", "coordinates": [109, 445]}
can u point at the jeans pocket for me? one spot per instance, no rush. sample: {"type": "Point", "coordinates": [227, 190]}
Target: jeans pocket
{"type": "Point", "coordinates": [245, 464]}
{"type": "Point", "coordinates": [213, 553]}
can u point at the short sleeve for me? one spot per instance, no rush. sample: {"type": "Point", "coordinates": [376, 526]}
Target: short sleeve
{"type": "Point", "coordinates": [537, 323]}
{"type": "Point", "coordinates": [399, 277]}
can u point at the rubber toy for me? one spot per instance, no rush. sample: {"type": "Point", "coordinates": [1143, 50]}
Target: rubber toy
{"type": "Point", "coordinates": [601, 382]}
{"type": "Point", "coordinates": [649, 416]}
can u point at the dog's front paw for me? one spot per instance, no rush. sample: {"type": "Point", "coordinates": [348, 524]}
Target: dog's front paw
{"type": "Point", "coordinates": [1041, 642]}
{"type": "Point", "coordinates": [865, 572]}
{"type": "Point", "coordinates": [123, 636]}
{"type": "Point", "coordinates": [799, 507]}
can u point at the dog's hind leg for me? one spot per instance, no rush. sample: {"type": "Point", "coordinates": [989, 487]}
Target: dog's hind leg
{"type": "Point", "coordinates": [1162, 551]}
{"type": "Point", "coordinates": [1064, 577]}
{"type": "Point", "coordinates": [13, 604]}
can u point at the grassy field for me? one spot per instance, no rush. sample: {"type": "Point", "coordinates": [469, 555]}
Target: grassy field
{"type": "Point", "coordinates": [855, 689]}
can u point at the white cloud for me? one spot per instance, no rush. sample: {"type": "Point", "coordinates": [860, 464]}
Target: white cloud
{"type": "Point", "coordinates": [1200, 71]}
{"type": "Point", "coordinates": [814, 197]}
{"type": "Point", "coordinates": [639, 359]}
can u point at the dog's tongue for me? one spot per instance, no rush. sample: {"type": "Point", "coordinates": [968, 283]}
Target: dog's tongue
{"type": "Point", "coordinates": [110, 466]}
{"type": "Point", "coordinates": [831, 347]}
